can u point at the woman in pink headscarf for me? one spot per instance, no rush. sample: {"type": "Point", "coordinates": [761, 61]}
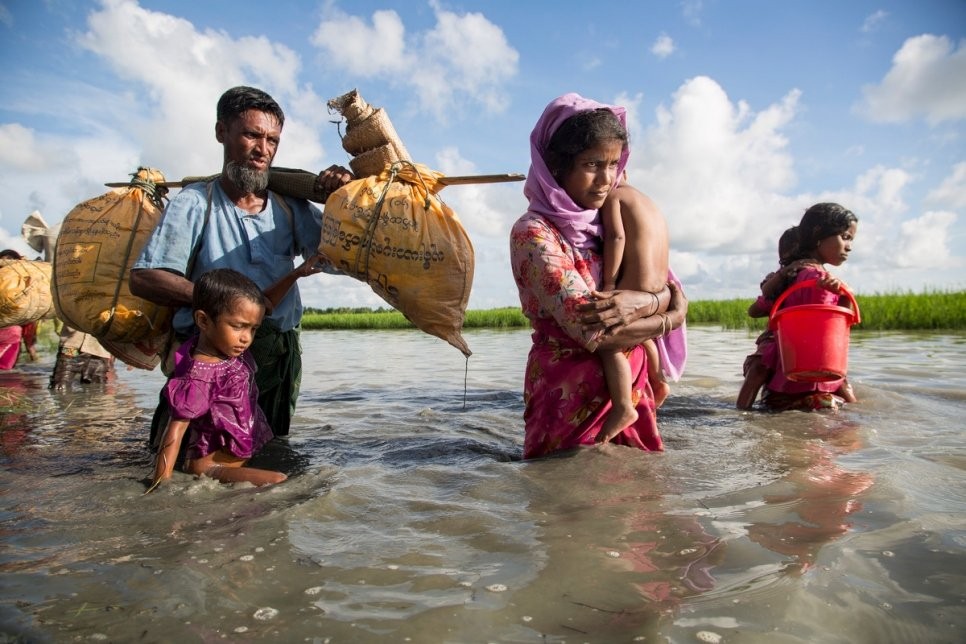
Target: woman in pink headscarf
{"type": "Point", "coordinates": [578, 152]}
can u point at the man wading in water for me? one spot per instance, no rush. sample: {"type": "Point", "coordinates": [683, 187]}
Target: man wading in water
{"type": "Point", "coordinates": [235, 222]}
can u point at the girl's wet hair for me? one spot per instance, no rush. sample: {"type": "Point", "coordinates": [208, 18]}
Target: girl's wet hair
{"type": "Point", "coordinates": [217, 291]}
{"type": "Point", "coordinates": [823, 220]}
{"type": "Point", "coordinates": [580, 132]}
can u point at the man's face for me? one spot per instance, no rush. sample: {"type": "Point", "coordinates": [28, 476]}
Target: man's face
{"type": "Point", "coordinates": [251, 140]}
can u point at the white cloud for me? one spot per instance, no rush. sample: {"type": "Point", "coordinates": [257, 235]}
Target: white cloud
{"type": "Point", "coordinates": [663, 46]}
{"type": "Point", "coordinates": [921, 248]}
{"type": "Point", "coordinates": [883, 187]}
{"type": "Point", "coordinates": [172, 118]}
{"type": "Point", "coordinates": [873, 21]}
{"type": "Point", "coordinates": [633, 106]}
{"type": "Point", "coordinates": [716, 169]}
{"type": "Point", "coordinates": [876, 197]}
{"type": "Point", "coordinates": [156, 49]}
{"type": "Point", "coordinates": [687, 266]}
{"type": "Point", "coordinates": [159, 115]}
{"type": "Point", "coordinates": [463, 59]}
{"type": "Point", "coordinates": [20, 151]}
{"type": "Point", "coordinates": [367, 50]}
{"type": "Point", "coordinates": [721, 169]}
{"type": "Point", "coordinates": [320, 291]}
{"type": "Point", "coordinates": [927, 78]}
{"type": "Point", "coordinates": [924, 241]}
{"type": "Point", "coordinates": [71, 169]}
{"type": "Point", "coordinates": [692, 10]}
{"type": "Point", "coordinates": [951, 193]}
{"type": "Point", "coordinates": [6, 19]}
{"type": "Point", "coordinates": [486, 211]}
{"type": "Point", "coordinates": [724, 177]}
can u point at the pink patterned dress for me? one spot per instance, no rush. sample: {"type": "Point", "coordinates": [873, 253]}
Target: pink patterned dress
{"type": "Point", "coordinates": [565, 393]}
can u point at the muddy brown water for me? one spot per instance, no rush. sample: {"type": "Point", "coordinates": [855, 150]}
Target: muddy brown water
{"type": "Point", "coordinates": [409, 516]}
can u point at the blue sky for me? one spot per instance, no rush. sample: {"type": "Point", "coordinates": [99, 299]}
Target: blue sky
{"type": "Point", "coordinates": [742, 113]}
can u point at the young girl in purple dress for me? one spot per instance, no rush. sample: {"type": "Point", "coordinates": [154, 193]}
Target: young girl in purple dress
{"type": "Point", "coordinates": [212, 393]}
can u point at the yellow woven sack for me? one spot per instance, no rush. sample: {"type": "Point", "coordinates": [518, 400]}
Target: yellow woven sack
{"type": "Point", "coordinates": [393, 232]}
{"type": "Point", "coordinates": [24, 292]}
{"type": "Point", "coordinates": [99, 241]}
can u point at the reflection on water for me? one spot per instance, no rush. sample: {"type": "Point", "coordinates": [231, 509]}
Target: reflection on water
{"type": "Point", "coordinates": [409, 513]}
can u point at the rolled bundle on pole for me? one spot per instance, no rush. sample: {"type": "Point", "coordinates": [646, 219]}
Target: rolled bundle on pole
{"type": "Point", "coordinates": [370, 136]}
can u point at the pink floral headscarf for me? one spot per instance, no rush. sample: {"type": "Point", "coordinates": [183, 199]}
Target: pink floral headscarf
{"type": "Point", "coordinates": [580, 227]}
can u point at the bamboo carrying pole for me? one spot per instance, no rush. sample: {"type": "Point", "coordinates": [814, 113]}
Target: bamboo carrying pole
{"type": "Point", "coordinates": [444, 181]}
{"type": "Point", "coordinates": [370, 138]}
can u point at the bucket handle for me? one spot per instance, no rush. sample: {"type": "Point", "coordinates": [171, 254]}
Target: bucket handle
{"type": "Point", "coordinates": [808, 284]}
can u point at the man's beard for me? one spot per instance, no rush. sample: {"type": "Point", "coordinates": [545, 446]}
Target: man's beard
{"type": "Point", "coordinates": [246, 179]}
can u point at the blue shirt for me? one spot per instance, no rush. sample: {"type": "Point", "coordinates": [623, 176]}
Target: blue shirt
{"type": "Point", "coordinates": [262, 246]}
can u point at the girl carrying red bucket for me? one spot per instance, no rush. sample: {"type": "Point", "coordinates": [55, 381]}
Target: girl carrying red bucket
{"type": "Point", "coordinates": [813, 315]}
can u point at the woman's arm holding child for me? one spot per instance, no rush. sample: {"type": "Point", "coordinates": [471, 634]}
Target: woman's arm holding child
{"type": "Point", "coordinates": [629, 318]}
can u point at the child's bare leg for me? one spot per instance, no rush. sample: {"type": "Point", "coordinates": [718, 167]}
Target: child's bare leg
{"type": "Point", "coordinates": [228, 469]}
{"type": "Point", "coordinates": [756, 375]}
{"type": "Point", "coordinates": [617, 374]}
{"type": "Point", "coordinates": [253, 475]}
{"type": "Point", "coordinates": [658, 385]}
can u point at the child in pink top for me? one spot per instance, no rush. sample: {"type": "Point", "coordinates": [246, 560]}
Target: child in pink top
{"type": "Point", "coordinates": [212, 392]}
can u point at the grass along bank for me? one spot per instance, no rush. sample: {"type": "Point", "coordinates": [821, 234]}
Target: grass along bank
{"type": "Point", "coordinates": [933, 310]}
{"type": "Point", "coordinates": [314, 319]}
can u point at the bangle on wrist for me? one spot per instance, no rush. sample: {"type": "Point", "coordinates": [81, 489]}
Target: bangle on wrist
{"type": "Point", "coordinates": [665, 324]}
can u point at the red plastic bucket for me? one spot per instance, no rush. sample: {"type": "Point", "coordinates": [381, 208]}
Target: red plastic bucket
{"type": "Point", "coordinates": [813, 339]}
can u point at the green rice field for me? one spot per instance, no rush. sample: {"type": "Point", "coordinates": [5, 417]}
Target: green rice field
{"type": "Point", "coordinates": [932, 310]}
